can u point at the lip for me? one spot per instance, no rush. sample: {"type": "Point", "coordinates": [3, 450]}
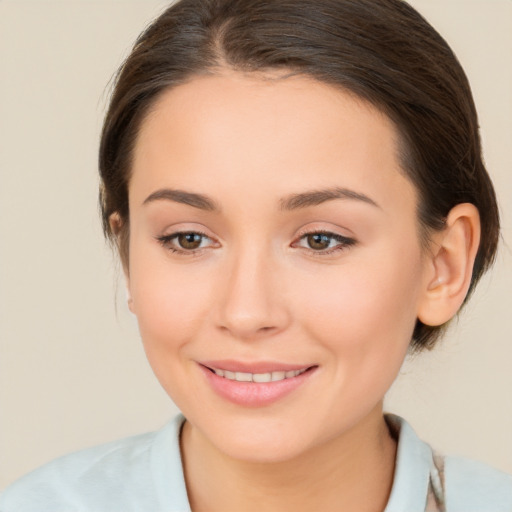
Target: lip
{"type": "Point", "coordinates": [252, 394]}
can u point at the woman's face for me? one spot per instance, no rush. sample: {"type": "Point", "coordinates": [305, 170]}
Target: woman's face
{"type": "Point", "coordinates": [273, 238]}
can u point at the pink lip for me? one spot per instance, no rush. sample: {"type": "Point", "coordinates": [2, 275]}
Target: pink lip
{"type": "Point", "coordinates": [252, 394]}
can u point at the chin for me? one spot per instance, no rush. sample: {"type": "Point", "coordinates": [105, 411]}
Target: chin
{"type": "Point", "coordinates": [263, 450]}
{"type": "Point", "coordinates": [259, 439]}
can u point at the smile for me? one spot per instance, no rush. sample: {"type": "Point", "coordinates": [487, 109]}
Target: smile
{"type": "Point", "coordinates": [257, 377]}
{"type": "Point", "coordinates": [256, 384]}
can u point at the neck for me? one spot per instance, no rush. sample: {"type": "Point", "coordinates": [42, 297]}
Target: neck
{"type": "Point", "coordinates": [353, 472]}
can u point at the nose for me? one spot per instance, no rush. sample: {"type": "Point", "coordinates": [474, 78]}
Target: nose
{"type": "Point", "coordinates": [252, 302]}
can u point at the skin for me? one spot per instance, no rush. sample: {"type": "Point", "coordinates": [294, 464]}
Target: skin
{"type": "Point", "coordinates": [257, 290]}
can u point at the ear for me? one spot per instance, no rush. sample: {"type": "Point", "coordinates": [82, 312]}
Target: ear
{"type": "Point", "coordinates": [450, 266]}
{"type": "Point", "coordinates": [115, 226]}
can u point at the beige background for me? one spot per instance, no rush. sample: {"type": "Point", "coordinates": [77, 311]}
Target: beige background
{"type": "Point", "coordinates": [72, 371]}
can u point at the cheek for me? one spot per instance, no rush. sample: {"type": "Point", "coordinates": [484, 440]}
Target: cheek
{"type": "Point", "coordinates": [365, 306]}
{"type": "Point", "coordinates": [171, 309]}
{"type": "Point", "coordinates": [170, 305]}
{"type": "Point", "coordinates": [364, 318]}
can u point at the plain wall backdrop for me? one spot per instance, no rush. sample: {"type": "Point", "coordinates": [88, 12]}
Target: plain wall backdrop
{"type": "Point", "coordinates": [72, 369]}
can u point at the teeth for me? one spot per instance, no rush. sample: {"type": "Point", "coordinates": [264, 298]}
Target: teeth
{"type": "Point", "coordinates": [278, 376]}
{"type": "Point", "coordinates": [258, 377]}
{"type": "Point", "coordinates": [262, 377]}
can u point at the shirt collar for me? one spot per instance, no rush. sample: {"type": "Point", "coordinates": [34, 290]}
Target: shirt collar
{"type": "Point", "coordinates": [412, 468]}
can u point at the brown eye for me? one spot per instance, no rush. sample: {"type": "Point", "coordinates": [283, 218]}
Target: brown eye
{"type": "Point", "coordinates": [186, 243]}
{"type": "Point", "coordinates": [189, 241]}
{"type": "Point", "coordinates": [319, 241]}
{"type": "Point", "coordinates": [324, 243]}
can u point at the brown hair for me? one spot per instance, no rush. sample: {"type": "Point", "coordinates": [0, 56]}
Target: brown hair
{"type": "Point", "coordinates": [381, 50]}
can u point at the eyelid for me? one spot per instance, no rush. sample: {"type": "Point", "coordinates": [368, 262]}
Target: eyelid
{"type": "Point", "coordinates": [178, 228]}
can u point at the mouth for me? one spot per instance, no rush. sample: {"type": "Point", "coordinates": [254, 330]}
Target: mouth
{"type": "Point", "coordinates": [255, 385]}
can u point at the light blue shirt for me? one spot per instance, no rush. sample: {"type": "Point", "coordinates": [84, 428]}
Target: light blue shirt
{"type": "Point", "coordinates": [144, 474]}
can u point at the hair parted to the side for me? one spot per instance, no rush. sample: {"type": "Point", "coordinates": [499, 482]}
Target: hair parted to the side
{"type": "Point", "coordinates": [383, 51]}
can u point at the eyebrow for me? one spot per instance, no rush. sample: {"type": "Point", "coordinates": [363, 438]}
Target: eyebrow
{"type": "Point", "coordinates": [316, 197]}
{"type": "Point", "coordinates": [291, 202]}
{"type": "Point", "coordinates": [180, 196]}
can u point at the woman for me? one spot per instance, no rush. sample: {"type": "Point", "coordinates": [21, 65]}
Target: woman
{"type": "Point", "coordinates": [297, 195]}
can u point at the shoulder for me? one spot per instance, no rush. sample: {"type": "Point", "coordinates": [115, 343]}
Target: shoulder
{"type": "Point", "coordinates": [472, 486]}
{"type": "Point", "coordinates": [447, 483]}
{"type": "Point", "coordinates": [116, 476]}
{"type": "Point", "coordinates": [82, 480]}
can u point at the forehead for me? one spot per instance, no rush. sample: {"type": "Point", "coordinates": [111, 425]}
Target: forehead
{"type": "Point", "coordinates": [249, 130]}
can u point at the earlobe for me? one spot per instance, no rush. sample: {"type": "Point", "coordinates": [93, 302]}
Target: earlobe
{"type": "Point", "coordinates": [129, 299]}
{"type": "Point", "coordinates": [450, 265]}
{"type": "Point", "coordinates": [115, 226]}
{"type": "Point", "coordinates": [115, 223]}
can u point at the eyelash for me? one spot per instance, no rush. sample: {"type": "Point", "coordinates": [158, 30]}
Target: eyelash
{"type": "Point", "coordinates": [343, 242]}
